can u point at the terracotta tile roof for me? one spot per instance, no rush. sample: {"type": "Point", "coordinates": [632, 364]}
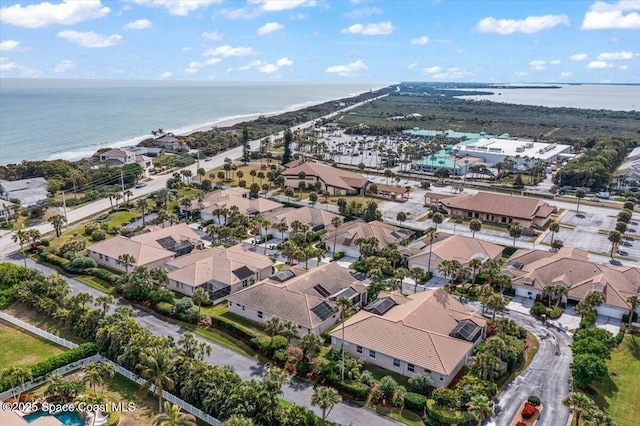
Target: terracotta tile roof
{"type": "Point", "coordinates": [500, 204]}
{"type": "Point", "coordinates": [235, 197]}
{"type": "Point", "coordinates": [294, 299]}
{"type": "Point", "coordinates": [416, 331]}
{"type": "Point", "coordinates": [351, 231]}
{"type": "Point", "coordinates": [216, 264]}
{"type": "Point", "coordinates": [460, 248]}
{"type": "Point", "coordinates": [308, 215]}
{"type": "Point", "coordinates": [142, 253]}
{"type": "Point", "coordinates": [331, 176]}
{"type": "Point", "coordinates": [179, 232]}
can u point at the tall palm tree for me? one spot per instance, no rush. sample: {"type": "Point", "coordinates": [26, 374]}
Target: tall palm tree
{"type": "Point", "coordinates": [57, 220]}
{"type": "Point", "coordinates": [496, 303]}
{"type": "Point", "coordinates": [431, 233]}
{"type": "Point", "coordinates": [17, 377]}
{"type": "Point", "coordinates": [325, 398]}
{"type": "Point", "coordinates": [335, 222]}
{"type": "Point", "coordinates": [417, 275]}
{"type": "Point", "coordinates": [553, 227]}
{"type": "Point", "coordinates": [128, 260]}
{"type": "Point", "coordinates": [560, 291]}
{"type": "Point", "coordinates": [475, 225]}
{"type": "Point", "coordinates": [578, 403]}
{"type": "Point", "coordinates": [200, 295]}
{"type": "Point", "coordinates": [142, 204]}
{"type": "Point", "coordinates": [155, 366]}
{"type": "Point", "coordinates": [475, 264]}
{"type": "Point", "coordinates": [172, 416]}
{"type": "Point", "coordinates": [282, 227]}
{"type": "Point", "coordinates": [160, 275]}
{"type": "Point", "coordinates": [344, 305]}
{"type": "Point", "coordinates": [485, 291]}
{"type": "Point", "coordinates": [633, 301]}
{"type": "Point", "coordinates": [480, 406]}
{"type": "Point", "coordinates": [238, 420]}
{"type": "Point", "coordinates": [21, 236]}
{"type": "Point", "coordinates": [105, 301]}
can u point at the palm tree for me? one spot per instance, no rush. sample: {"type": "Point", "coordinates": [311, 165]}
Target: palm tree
{"type": "Point", "coordinates": [578, 403]}
{"type": "Point", "coordinates": [156, 365]}
{"type": "Point", "coordinates": [633, 301]}
{"type": "Point", "coordinates": [21, 236]}
{"type": "Point", "coordinates": [282, 227]}
{"type": "Point", "coordinates": [160, 275]}
{"type": "Point", "coordinates": [335, 222]}
{"type": "Point", "coordinates": [496, 303]}
{"type": "Point", "coordinates": [560, 291]}
{"type": "Point", "coordinates": [475, 225]}
{"type": "Point", "coordinates": [17, 377]}
{"type": "Point", "coordinates": [325, 398]}
{"type": "Point", "coordinates": [417, 275]}
{"type": "Point", "coordinates": [95, 373]}
{"type": "Point", "coordinates": [485, 291]}
{"type": "Point", "coordinates": [432, 234]}
{"type": "Point", "coordinates": [344, 305]}
{"type": "Point", "coordinates": [105, 301]}
{"type": "Point", "coordinates": [172, 416]}
{"type": "Point", "coordinates": [200, 295]}
{"type": "Point", "coordinates": [57, 220]}
{"type": "Point", "coordinates": [475, 264]}
{"type": "Point", "coordinates": [515, 231]}
{"type": "Point", "coordinates": [142, 204]}
{"type": "Point", "coordinates": [437, 218]}
{"type": "Point", "coordinates": [480, 406]}
{"type": "Point", "coordinates": [615, 237]}
{"type": "Point", "coordinates": [580, 193]}
{"type": "Point", "coordinates": [553, 227]}
{"type": "Point", "coordinates": [238, 420]}
{"type": "Point", "coordinates": [128, 260]}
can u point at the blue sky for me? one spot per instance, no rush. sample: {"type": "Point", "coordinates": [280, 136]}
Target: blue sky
{"type": "Point", "coordinates": [322, 40]}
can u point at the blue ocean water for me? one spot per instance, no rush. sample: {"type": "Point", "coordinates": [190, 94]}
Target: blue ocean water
{"type": "Point", "coordinates": [47, 119]}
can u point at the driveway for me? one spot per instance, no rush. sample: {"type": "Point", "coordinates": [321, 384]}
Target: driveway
{"type": "Point", "coordinates": [298, 392]}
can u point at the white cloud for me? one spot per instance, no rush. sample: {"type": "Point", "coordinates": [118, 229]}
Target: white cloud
{"type": "Point", "coordinates": [7, 64]}
{"type": "Point", "coordinates": [521, 73]}
{"type": "Point", "coordinates": [140, 24]}
{"type": "Point", "coordinates": [420, 40]}
{"type": "Point", "coordinates": [44, 14]}
{"type": "Point", "coordinates": [443, 41]}
{"type": "Point", "coordinates": [599, 65]}
{"type": "Point", "coordinates": [363, 12]}
{"type": "Point", "coordinates": [537, 65]}
{"type": "Point", "coordinates": [432, 70]}
{"type": "Point", "coordinates": [284, 62]}
{"type": "Point", "coordinates": [555, 62]}
{"type": "Point", "coordinates": [298, 16]}
{"type": "Point", "coordinates": [178, 7]}
{"type": "Point", "coordinates": [229, 70]}
{"type": "Point", "coordinates": [211, 35]}
{"type": "Point", "coordinates": [195, 66]}
{"type": "Point", "coordinates": [277, 5]}
{"type": "Point", "coordinates": [578, 57]}
{"type": "Point", "coordinates": [348, 70]}
{"type": "Point", "coordinates": [90, 39]}
{"type": "Point", "coordinates": [611, 56]}
{"type": "Point", "coordinates": [8, 45]}
{"type": "Point", "coordinates": [624, 67]}
{"type": "Point", "coordinates": [451, 73]}
{"type": "Point", "coordinates": [226, 51]}
{"type": "Point", "coordinates": [269, 27]}
{"type": "Point", "coordinates": [166, 74]}
{"type": "Point", "coordinates": [566, 74]}
{"type": "Point", "coordinates": [609, 16]}
{"type": "Point", "coordinates": [529, 25]}
{"type": "Point", "coordinates": [268, 68]}
{"type": "Point", "coordinates": [185, 49]}
{"type": "Point", "coordinates": [243, 13]}
{"type": "Point", "coordinates": [412, 66]}
{"type": "Point", "coordinates": [382, 28]}
{"type": "Point", "coordinates": [191, 70]}
{"type": "Point", "coordinates": [63, 66]}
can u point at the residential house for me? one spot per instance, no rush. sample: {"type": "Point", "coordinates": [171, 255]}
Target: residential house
{"type": "Point", "coordinates": [221, 271]}
{"type": "Point", "coordinates": [27, 191]}
{"type": "Point", "coordinates": [317, 219]}
{"type": "Point", "coordinates": [8, 210]}
{"type": "Point", "coordinates": [170, 143]}
{"type": "Point", "coordinates": [239, 197]}
{"type": "Point", "coordinates": [425, 332]}
{"type": "Point", "coordinates": [533, 270]}
{"type": "Point", "coordinates": [501, 208]}
{"type": "Point", "coordinates": [333, 180]}
{"type": "Point", "coordinates": [307, 298]}
{"type": "Point", "coordinates": [121, 157]}
{"type": "Point", "coordinates": [456, 247]}
{"type": "Point", "coordinates": [347, 234]}
{"type": "Point", "coordinates": [151, 249]}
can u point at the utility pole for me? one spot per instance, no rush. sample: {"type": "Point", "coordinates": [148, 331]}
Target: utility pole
{"type": "Point", "coordinates": [122, 185]}
{"type": "Point", "coordinates": [64, 206]}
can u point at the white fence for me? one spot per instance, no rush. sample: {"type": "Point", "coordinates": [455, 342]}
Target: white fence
{"type": "Point", "coordinates": [95, 358]}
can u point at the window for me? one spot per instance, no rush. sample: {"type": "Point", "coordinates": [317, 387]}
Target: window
{"type": "Point", "coordinates": [243, 307]}
{"type": "Point", "coordinates": [372, 354]}
{"type": "Point", "coordinates": [245, 283]}
{"type": "Point", "coordinates": [396, 362]}
{"type": "Point", "coordinates": [442, 378]}
{"type": "Point", "coordinates": [259, 314]}
{"type": "Point", "coordinates": [411, 368]}
{"type": "Point", "coordinates": [359, 349]}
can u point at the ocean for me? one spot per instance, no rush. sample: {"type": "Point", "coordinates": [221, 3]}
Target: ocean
{"type": "Point", "coordinates": [584, 96]}
{"type": "Point", "coordinates": [71, 119]}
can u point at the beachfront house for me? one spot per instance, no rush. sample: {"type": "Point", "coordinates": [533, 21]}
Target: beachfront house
{"type": "Point", "coordinates": [120, 157]}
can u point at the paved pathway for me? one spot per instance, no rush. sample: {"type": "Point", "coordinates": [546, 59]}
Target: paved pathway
{"type": "Point", "coordinates": [298, 392]}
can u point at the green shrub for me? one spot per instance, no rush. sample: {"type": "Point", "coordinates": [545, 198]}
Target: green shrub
{"type": "Point", "coordinates": [303, 368]}
{"type": "Point", "coordinates": [89, 228]}
{"type": "Point", "coordinates": [234, 329]}
{"type": "Point", "coordinates": [80, 263]}
{"type": "Point", "coordinates": [421, 383]}
{"type": "Point", "coordinates": [161, 295]}
{"type": "Point", "coordinates": [278, 343]}
{"type": "Point", "coordinates": [103, 274]}
{"type": "Point", "coordinates": [366, 377]}
{"type": "Point", "coordinates": [415, 402]}
{"type": "Point", "coordinates": [555, 312]}
{"type": "Point", "coordinates": [388, 386]}
{"type": "Point", "coordinates": [357, 390]}
{"type": "Point", "coordinates": [261, 343]}
{"type": "Point", "coordinates": [280, 357]}
{"type": "Point", "coordinates": [446, 416]}
{"type": "Point", "coordinates": [534, 399]}
{"type": "Point", "coordinates": [98, 235]}
{"type": "Point", "coordinates": [538, 309]}
{"type": "Point", "coordinates": [55, 260]}
{"type": "Point", "coordinates": [338, 255]}
{"type": "Point", "coordinates": [165, 308]}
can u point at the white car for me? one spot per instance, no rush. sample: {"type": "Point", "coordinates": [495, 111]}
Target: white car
{"type": "Point", "coordinates": [604, 195]}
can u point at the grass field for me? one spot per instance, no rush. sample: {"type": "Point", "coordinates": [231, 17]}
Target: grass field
{"type": "Point", "coordinates": [23, 313]}
{"type": "Point", "coordinates": [619, 394]}
{"type": "Point", "coordinates": [22, 348]}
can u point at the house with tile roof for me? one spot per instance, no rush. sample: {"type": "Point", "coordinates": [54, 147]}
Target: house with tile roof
{"type": "Point", "coordinates": [220, 271]}
{"type": "Point", "coordinates": [27, 191]}
{"type": "Point", "coordinates": [119, 157]}
{"type": "Point", "coordinates": [334, 180]}
{"type": "Point", "coordinates": [532, 270]}
{"type": "Point", "coordinates": [347, 234]}
{"type": "Point", "coordinates": [212, 202]}
{"type": "Point", "coordinates": [456, 247]}
{"type": "Point", "coordinates": [425, 332]}
{"type": "Point", "coordinates": [307, 298]}
{"type": "Point", "coordinates": [317, 219]}
{"type": "Point", "coordinates": [500, 208]}
{"type": "Point", "coordinates": [151, 249]}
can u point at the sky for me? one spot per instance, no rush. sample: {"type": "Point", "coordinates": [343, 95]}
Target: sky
{"type": "Point", "coordinates": [572, 41]}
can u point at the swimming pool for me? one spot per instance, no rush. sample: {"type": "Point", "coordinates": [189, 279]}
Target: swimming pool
{"type": "Point", "coordinates": [67, 418]}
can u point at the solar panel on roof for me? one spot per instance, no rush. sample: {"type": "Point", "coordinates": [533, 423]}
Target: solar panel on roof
{"type": "Point", "coordinates": [380, 306]}
{"type": "Point", "coordinates": [466, 330]}
{"type": "Point", "coordinates": [322, 311]}
{"type": "Point", "coordinates": [243, 272]}
{"type": "Point", "coordinates": [321, 290]}
{"type": "Point", "coordinates": [167, 243]}
{"type": "Point", "coordinates": [283, 276]}
{"type": "Point", "coordinates": [347, 292]}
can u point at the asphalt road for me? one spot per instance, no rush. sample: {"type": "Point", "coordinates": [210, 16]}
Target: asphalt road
{"type": "Point", "coordinates": [298, 391]}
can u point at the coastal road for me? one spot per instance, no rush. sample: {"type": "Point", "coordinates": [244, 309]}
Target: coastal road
{"type": "Point", "coordinates": [297, 392]}
{"type": "Point", "coordinates": [547, 376]}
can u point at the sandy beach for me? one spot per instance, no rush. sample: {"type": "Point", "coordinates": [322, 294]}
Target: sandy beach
{"type": "Point", "coordinates": [225, 123]}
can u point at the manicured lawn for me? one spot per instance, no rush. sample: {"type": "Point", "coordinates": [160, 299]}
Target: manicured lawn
{"type": "Point", "coordinates": [120, 218]}
{"type": "Point", "coordinates": [220, 310]}
{"type": "Point", "coordinates": [21, 348]}
{"type": "Point", "coordinates": [25, 314]}
{"type": "Point", "coordinates": [619, 395]}
{"type": "Point", "coordinates": [405, 416]}
{"type": "Point", "coordinates": [379, 373]}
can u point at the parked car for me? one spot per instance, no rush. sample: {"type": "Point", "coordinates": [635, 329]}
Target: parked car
{"type": "Point", "coordinates": [603, 195]}
{"type": "Point", "coordinates": [141, 185]}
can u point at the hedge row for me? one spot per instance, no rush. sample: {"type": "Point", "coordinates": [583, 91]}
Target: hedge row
{"type": "Point", "coordinates": [446, 416]}
{"type": "Point", "coordinates": [55, 260]}
{"type": "Point", "coordinates": [415, 402]}
{"type": "Point", "coordinates": [357, 390]}
{"type": "Point", "coordinates": [232, 328]}
{"type": "Point", "coordinates": [46, 366]}
{"type": "Point", "coordinates": [103, 274]}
